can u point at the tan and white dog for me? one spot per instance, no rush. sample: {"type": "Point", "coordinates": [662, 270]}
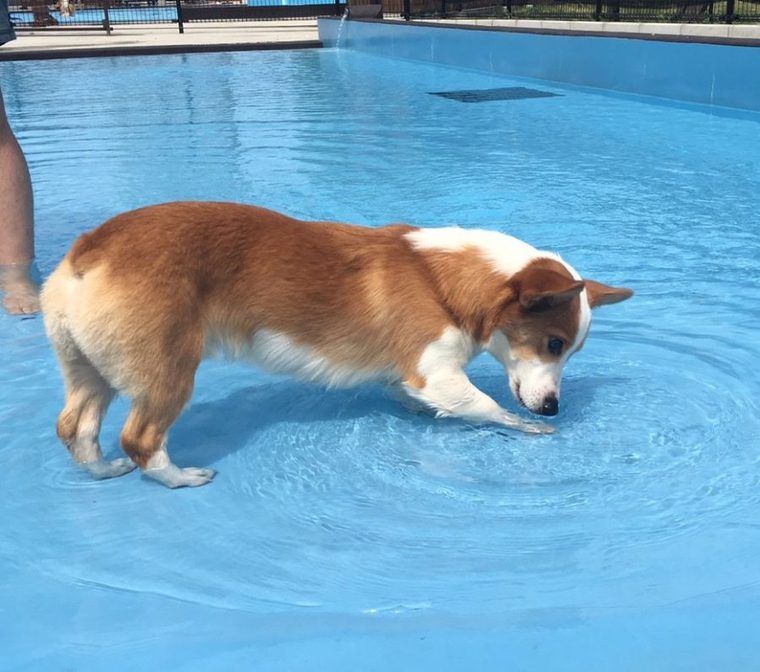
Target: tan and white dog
{"type": "Point", "coordinates": [137, 304]}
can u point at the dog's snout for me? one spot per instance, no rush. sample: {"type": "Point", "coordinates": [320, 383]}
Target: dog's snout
{"type": "Point", "coordinates": [550, 405]}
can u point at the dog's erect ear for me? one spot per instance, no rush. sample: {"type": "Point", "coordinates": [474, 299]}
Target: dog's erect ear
{"type": "Point", "coordinates": [542, 288]}
{"type": "Point", "coordinates": [601, 295]}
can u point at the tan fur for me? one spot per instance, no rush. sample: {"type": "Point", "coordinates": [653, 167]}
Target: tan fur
{"type": "Point", "coordinates": [142, 295]}
{"type": "Point", "coordinates": [529, 329]}
{"type": "Point", "coordinates": [473, 294]}
{"type": "Point", "coordinates": [603, 295]}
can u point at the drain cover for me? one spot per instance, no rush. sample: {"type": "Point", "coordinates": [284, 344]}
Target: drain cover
{"type": "Point", "coordinates": [485, 95]}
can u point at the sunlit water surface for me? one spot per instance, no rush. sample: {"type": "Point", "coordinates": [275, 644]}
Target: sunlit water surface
{"type": "Point", "coordinates": [343, 532]}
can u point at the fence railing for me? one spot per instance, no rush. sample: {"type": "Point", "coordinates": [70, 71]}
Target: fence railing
{"type": "Point", "coordinates": [674, 11]}
{"type": "Point", "coordinates": [106, 14]}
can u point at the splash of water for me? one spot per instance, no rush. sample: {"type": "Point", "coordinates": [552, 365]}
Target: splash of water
{"type": "Point", "coordinates": [341, 27]}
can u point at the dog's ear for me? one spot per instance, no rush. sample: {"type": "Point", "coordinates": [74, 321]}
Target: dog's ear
{"type": "Point", "coordinates": [601, 295]}
{"type": "Point", "coordinates": [541, 288]}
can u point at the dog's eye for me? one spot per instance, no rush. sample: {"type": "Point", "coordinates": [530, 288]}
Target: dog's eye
{"type": "Point", "coordinates": [555, 345]}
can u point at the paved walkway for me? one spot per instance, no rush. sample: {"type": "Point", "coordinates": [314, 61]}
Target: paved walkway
{"type": "Point", "coordinates": [163, 38]}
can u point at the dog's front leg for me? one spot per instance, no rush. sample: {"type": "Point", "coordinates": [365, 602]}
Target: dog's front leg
{"type": "Point", "coordinates": [451, 394]}
{"type": "Point", "coordinates": [398, 392]}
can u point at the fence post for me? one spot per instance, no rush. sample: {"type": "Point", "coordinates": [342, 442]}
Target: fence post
{"type": "Point", "coordinates": [337, 7]}
{"type": "Point", "coordinates": [107, 17]}
{"type": "Point", "coordinates": [406, 12]}
{"type": "Point", "coordinates": [180, 22]}
{"type": "Point", "coordinates": [598, 11]}
{"type": "Point", "coordinates": [730, 9]}
{"type": "Point", "coordinates": [443, 9]}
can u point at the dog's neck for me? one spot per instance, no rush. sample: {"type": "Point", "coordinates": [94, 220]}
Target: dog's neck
{"type": "Point", "coordinates": [472, 292]}
{"type": "Point", "coordinates": [471, 270]}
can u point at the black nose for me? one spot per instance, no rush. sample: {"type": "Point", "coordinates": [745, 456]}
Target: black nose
{"type": "Point", "coordinates": [550, 406]}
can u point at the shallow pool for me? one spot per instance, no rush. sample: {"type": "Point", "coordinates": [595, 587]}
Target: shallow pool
{"type": "Point", "coordinates": [342, 532]}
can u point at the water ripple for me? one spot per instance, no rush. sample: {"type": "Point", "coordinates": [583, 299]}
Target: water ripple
{"type": "Point", "coordinates": [343, 501]}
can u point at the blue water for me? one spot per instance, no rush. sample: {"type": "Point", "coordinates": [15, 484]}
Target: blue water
{"type": "Point", "coordinates": [342, 532]}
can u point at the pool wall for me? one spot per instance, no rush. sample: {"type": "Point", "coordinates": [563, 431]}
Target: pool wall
{"type": "Point", "coordinates": [712, 74]}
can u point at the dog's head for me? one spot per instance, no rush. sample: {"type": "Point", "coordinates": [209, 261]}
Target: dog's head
{"type": "Point", "coordinates": [545, 321]}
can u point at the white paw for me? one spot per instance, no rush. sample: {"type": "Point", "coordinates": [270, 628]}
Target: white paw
{"type": "Point", "coordinates": [173, 476]}
{"type": "Point", "coordinates": [100, 469]}
{"type": "Point", "coordinates": [516, 422]}
{"type": "Point", "coordinates": [535, 428]}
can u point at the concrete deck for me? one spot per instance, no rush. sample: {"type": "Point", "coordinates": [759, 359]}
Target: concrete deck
{"type": "Point", "coordinates": [677, 31]}
{"type": "Point", "coordinates": [302, 34]}
{"type": "Point", "coordinates": [163, 38]}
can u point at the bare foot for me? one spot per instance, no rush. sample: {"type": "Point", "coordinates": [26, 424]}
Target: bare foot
{"type": "Point", "coordinates": [20, 291]}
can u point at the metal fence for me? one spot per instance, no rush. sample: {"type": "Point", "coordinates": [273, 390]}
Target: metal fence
{"type": "Point", "coordinates": [391, 8]}
{"type": "Point", "coordinates": [676, 11]}
{"type": "Point", "coordinates": [105, 14]}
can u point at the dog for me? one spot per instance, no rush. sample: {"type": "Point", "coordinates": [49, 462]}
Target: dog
{"type": "Point", "coordinates": [137, 303]}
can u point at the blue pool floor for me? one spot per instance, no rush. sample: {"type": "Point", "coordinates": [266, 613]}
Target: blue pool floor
{"type": "Point", "coordinates": [342, 532]}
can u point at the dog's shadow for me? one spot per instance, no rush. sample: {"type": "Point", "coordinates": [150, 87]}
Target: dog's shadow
{"type": "Point", "coordinates": [209, 431]}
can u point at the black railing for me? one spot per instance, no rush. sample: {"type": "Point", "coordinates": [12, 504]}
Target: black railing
{"type": "Point", "coordinates": [105, 14]}
{"type": "Point", "coordinates": [674, 11]}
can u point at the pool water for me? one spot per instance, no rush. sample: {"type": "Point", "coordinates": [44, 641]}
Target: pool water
{"type": "Point", "coordinates": [343, 532]}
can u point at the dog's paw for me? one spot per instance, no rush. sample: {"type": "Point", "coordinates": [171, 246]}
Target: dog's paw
{"type": "Point", "coordinates": [100, 469]}
{"type": "Point", "coordinates": [513, 421]}
{"type": "Point", "coordinates": [536, 428]}
{"type": "Point", "coordinates": [173, 476]}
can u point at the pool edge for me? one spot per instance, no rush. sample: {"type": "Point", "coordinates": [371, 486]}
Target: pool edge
{"type": "Point", "coordinates": [725, 75]}
{"type": "Point", "coordinates": [152, 50]}
{"type": "Point", "coordinates": [606, 29]}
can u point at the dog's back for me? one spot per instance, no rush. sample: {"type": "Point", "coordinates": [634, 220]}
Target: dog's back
{"type": "Point", "coordinates": [137, 303]}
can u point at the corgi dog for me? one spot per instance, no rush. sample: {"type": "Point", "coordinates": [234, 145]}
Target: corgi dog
{"type": "Point", "coordinates": [137, 303]}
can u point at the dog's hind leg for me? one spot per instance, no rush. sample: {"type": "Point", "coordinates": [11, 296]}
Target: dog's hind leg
{"type": "Point", "coordinates": [88, 393]}
{"type": "Point", "coordinates": [144, 439]}
{"type": "Point", "coordinates": [88, 396]}
{"type": "Point", "coordinates": [154, 409]}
